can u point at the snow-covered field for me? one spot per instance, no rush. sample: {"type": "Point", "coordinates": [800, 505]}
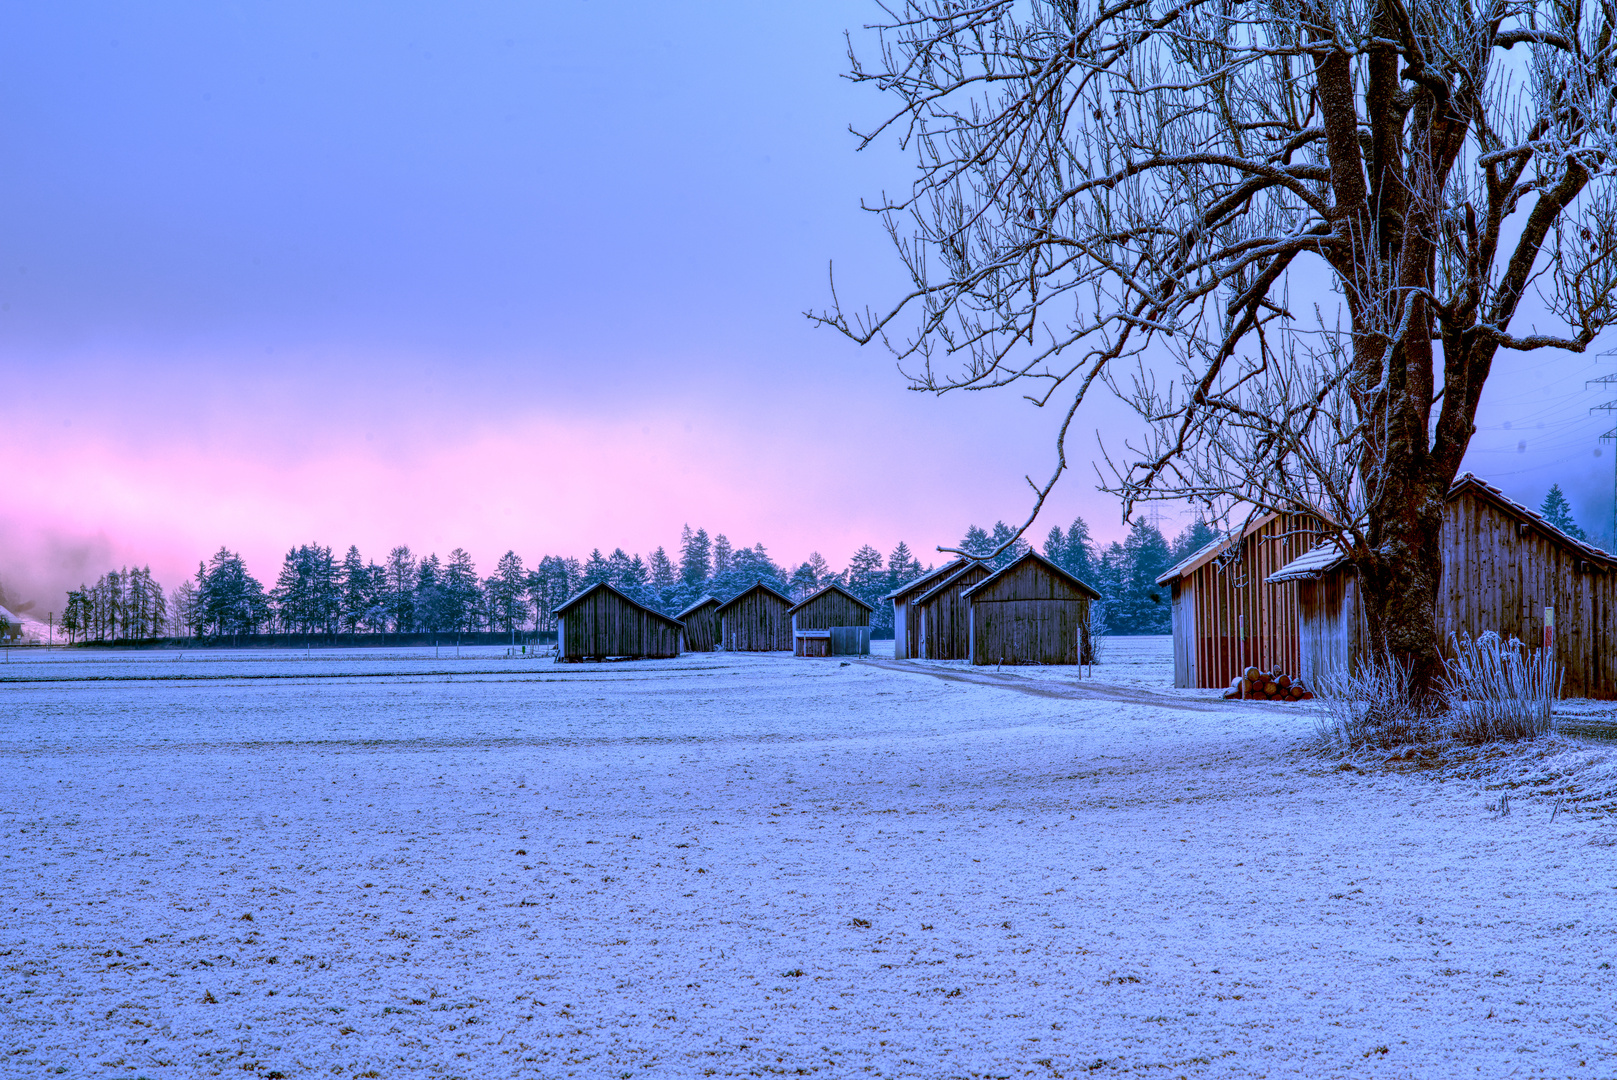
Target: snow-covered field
{"type": "Point", "coordinates": [385, 864]}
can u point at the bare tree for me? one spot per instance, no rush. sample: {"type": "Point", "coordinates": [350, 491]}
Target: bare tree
{"type": "Point", "coordinates": [1132, 192]}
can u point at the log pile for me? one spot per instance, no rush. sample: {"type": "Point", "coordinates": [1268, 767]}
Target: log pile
{"type": "Point", "coordinates": [1256, 685]}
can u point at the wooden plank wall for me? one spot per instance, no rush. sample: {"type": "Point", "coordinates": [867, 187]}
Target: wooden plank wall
{"type": "Point", "coordinates": [831, 609]}
{"type": "Point", "coordinates": [946, 618]}
{"type": "Point", "coordinates": [1330, 625]}
{"type": "Point", "coordinates": [756, 621]}
{"type": "Point", "coordinates": [813, 647]}
{"type": "Point", "coordinates": [702, 628]}
{"type": "Point", "coordinates": [1237, 619]}
{"type": "Point", "coordinates": [605, 625]}
{"type": "Point", "coordinates": [1027, 616]}
{"type": "Point", "coordinates": [1027, 631]}
{"type": "Point", "coordinates": [1494, 579]}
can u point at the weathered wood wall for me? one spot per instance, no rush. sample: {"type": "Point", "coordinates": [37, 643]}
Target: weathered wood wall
{"type": "Point", "coordinates": [1229, 616]}
{"type": "Point", "coordinates": [604, 624]}
{"type": "Point", "coordinates": [944, 615]}
{"type": "Point", "coordinates": [906, 619]}
{"type": "Point", "coordinates": [1496, 576]}
{"type": "Point", "coordinates": [701, 626]}
{"type": "Point", "coordinates": [831, 608]}
{"type": "Point", "coordinates": [756, 621]}
{"type": "Point", "coordinates": [1027, 615]}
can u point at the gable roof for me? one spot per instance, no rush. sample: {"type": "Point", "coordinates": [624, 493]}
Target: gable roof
{"type": "Point", "coordinates": [750, 589]}
{"type": "Point", "coordinates": [701, 602]}
{"type": "Point", "coordinates": [927, 597]}
{"type": "Point", "coordinates": [1049, 567]}
{"type": "Point", "coordinates": [1209, 551]}
{"type": "Point", "coordinates": [807, 600]}
{"type": "Point", "coordinates": [574, 600]}
{"type": "Point", "coordinates": [928, 579]}
{"type": "Point", "coordinates": [1328, 556]}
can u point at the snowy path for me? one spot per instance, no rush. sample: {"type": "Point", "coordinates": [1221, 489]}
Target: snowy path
{"type": "Point", "coordinates": [758, 866]}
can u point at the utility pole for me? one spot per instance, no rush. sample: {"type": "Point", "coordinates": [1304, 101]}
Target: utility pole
{"type": "Point", "coordinates": [1610, 436]}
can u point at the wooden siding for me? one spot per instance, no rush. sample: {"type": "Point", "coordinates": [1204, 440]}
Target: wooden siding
{"type": "Point", "coordinates": [1228, 616]}
{"type": "Point", "coordinates": [906, 619]}
{"type": "Point", "coordinates": [836, 641]}
{"type": "Point", "coordinates": [944, 616]}
{"type": "Point", "coordinates": [829, 608]}
{"type": "Point", "coordinates": [1027, 614]}
{"type": "Point", "coordinates": [603, 624]}
{"type": "Point", "coordinates": [701, 627]}
{"type": "Point", "coordinates": [1027, 631]}
{"type": "Point", "coordinates": [756, 621]}
{"type": "Point", "coordinates": [1493, 579]}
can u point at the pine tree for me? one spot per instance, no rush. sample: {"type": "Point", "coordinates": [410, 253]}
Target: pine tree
{"type": "Point", "coordinates": [805, 582]}
{"type": "Point", "coordinates": [975, 542]}
{"type": "Point", "coordinates": [507, 589]}
{"type": "Point", "coordinates": [1197, 535]}
{"type": "Point", "coordinates": [398, 598]}
{"type": "Point", "coordinates": [722, 555]}
{"type": "Point", "coordinates": [1557, 510]}
{"type": "Point", "coordinates": [902, 566]}
{"type": "Point", "coordinates": [232, 600]}
{"type": "Point", "coordinates": [354, 591]}
{"type": "Point", "coordinates": [461, 590]}
{"type": "Point", "coordinates": [1079, 559]}
{"type": "Point", "coordinates": [695, 558]}
{"type": "Point", "coordinates": [596, 569]}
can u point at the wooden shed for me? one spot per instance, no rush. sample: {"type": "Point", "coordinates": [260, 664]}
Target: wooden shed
{"type": "Point", "coordinates": [1030, 612]}
{"type": "Point", "coordinates": [701, 621]}
{"type": "Point", "coordinates": [755, 620]}
{"type": "Point", "coordinates": [943, 615]}
{"type": "Point", "coordinates": [1504, 566]}
{"type": "Point", "coordinates": [1227, 612]}
{"type": "Point", "coordinates": [832, 622]}
{"type": "Point", "coordinates": [906, 620]}
{"type": "Point", "coordinates": [602, 623]}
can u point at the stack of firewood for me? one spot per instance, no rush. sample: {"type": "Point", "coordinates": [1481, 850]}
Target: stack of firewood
{"type": "Point", "coordinates": [1268, 686]}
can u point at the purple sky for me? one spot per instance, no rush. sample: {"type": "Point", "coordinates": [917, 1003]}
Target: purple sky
{"type": "Point", "coordinates": [501, 276]}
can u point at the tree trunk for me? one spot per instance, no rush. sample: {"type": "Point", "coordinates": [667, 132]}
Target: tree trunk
{"type": "Point", "coordinates": [1399, 576]}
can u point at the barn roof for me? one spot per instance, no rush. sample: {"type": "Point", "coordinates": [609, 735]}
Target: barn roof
{"type": "Point", "coordinates": [1328, 556]}
{"type": "Point", "coordinates": [928, 579]}
{"type": "Point", "coordinates": [806, 601]}
{"type": "Point", "coordinates": [926, 597]}
{"type": "Point", "coordinates": [1205, 554]}
{"type": "Point", "coordinates": [1049, 567]}
{"type": "Point", "coordinates": [750, 589]}
{"type": "Point", "coordinates": [576, 598]}
{"type": "Point", "coordinates": [701, 602]}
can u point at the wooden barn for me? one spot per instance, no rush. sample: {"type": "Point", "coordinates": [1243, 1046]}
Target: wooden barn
{"type": "Point", "coordinates": [701, 621]}
{"type": "Point", "coordinates": [943, 614]}
{"type": "Point", "coordinates": [602, 623]}
{"type": "Point", "coordinates": [1228, 612]}
{"type": "Point", "coordinates": [906, 620]}
{"type": "Point", "coordinates": [832, 622]}
{"type": "Point", "coordinates": [1029, 612]}
{"type": "Point", "coordinates": [1504, 569]}
{"type": "Point", "coordinates": [756, 620]}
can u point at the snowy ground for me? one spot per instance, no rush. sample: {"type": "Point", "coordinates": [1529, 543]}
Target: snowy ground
{"type": "Point", "coordinates": [384, 864]}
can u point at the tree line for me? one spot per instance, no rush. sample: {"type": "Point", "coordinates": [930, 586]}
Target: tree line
{"type": "Point", "coordinates": [317, 593]}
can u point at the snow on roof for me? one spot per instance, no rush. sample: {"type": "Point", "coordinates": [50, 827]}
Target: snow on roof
{"type": "Point", "coordinates": [568, 604]}
{"type": "Point", "coordinates": [755, 587]}
{"type": "Point", "coordinates": [701, 601]}
{"type": "Point", "coordinates": [930, 576]}
{"type": "Point", "coordinates": [1050, 567]}
{"type": "Point", "coordinates": [833, 587]}
{"type": "Point", "coordinates": [1317, 560]}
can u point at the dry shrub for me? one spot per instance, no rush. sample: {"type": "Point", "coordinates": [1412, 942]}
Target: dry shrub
{"type": "Point", "coordinates": [1371, 708]}
{"type": "Point", "coordinates": [1493, 690]}
{"type": "Point", "coordinates": [1499, 691]}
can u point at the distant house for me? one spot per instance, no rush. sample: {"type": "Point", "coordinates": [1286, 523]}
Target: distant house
{"type": "Point", "coordinates": [10, 627]}
{"type": "Point", "coordinates": [1504, 569]}
{"type": "Point", "coordinates": [756, 620]}
{"type": "Point", "coordinates": [943, 615]}
{"type": "Point", "coordinates": [906, 620]}
{"type": "Point", "coordinates": [1229, 612]}
{"type": "Point", "coordinates": [1029, 612]}
{"type": "Point", "coordinates": [701, 625]}
{"type": "Point", "coordinates": [832, 622]}
{"type": "Point", "coordinates": [602, 623]}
